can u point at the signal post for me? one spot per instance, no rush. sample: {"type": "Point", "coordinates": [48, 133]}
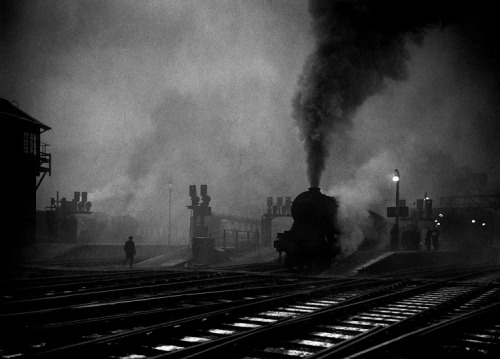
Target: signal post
{"type": "Point", "coordinates": [273, 211]}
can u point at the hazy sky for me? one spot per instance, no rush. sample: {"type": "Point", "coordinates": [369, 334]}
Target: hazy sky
{"type": "Point", "coordinates": [200, 92]}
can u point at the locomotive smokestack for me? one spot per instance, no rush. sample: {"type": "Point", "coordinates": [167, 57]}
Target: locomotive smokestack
{"type": "Point", "coordinates": [314, 189]}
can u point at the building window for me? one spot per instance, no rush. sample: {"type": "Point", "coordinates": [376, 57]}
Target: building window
{"type": "Point", "coordinates": [30, 143]}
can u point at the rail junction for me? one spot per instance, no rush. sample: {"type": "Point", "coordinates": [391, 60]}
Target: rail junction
{"type": "Point", "coordinates": [252, 310]}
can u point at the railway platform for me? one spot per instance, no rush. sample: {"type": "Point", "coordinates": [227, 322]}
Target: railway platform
{"type": "Point", "coordinates": [374, 262]}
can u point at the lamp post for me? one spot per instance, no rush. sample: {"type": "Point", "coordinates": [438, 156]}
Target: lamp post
{"type": "Point", "coordinates": [169, 209]}
{"type": "Point", "coordinates": [395, 230]}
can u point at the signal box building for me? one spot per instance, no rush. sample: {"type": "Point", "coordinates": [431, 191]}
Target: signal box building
{"type": "Point", "coordinates": [25, 164]}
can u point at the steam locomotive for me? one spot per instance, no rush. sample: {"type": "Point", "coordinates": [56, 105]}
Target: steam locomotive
{"type": "Point", "coordinates": [312, 241]}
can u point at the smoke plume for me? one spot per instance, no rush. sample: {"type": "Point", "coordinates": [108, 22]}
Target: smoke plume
{"type": "Point", "coordinates": [392, 84]}
{"type": "Point", "coordinates": [360, 45]}
{"type": "Point", "coordinates": [139, 93]}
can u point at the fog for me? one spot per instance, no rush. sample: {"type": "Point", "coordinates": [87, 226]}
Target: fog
{"type": "Point", "coordinates": [202, 92]}
{"type": "Point", "coordinates": [409, 85]}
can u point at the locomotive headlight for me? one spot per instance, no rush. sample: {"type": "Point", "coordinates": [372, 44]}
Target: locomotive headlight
{"type": "Point", "coordinates": [473, 221]}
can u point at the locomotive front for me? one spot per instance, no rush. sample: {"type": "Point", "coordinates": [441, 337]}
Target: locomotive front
{"type": "Point", "coordinates": [313, 238]}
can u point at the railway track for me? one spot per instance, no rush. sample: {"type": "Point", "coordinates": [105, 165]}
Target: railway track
{"type": "Point", "coordinates": [225, 311]}
{"type": "Point", "coordinates": [107, 301]}
{"type": "Point", "coordinates": [273, 267]}
{"type": "Point", "coordinates": [318, 323]}
{"type": "Point", "coordinates": [115, 286]}
{"type": "Point", "coordinates": [471, 335]}
{"type": "Point", "coordinates": [34, 277]}
{"type": "Point", "coordinates": [342, 331]}
{"type": "Point", "coordinates": [482, 272]}
{"type": "Point", "coordinates": [40, 338]}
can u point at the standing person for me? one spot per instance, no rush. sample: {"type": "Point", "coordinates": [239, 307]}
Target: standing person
{"type": "Point", "coordinates": [395, 237]}
{"type": "Point", "coordinates": [405, 235]}
{"type": "Point", "coordinates": [129, 251]}
{"type": "Point", "coordinates": [435, 239]}
{"type": "Point", "coordinates": [428, 236]}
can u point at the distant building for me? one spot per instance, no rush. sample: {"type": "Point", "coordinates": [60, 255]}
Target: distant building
{"type": "Point", "coordinates": [25, 163]}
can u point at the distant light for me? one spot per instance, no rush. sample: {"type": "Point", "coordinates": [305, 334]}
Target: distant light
{"type": "Point", "coordinates": [440, 215]}
{"type": "Point", "coordinates": [473, 221]}
{"type": "Point", "coordinates": [395, 178]}
{"type": "Point", "coordinates": [435, 220]}
{"type": "Point", "coordinates": [484, 224]}
{"type": "Point", "coordinates": [426, 198]}
{"type": "Point", "coordinates": [438, 224]}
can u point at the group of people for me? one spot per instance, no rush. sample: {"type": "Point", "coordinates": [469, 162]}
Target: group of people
{"type": "Point", "coordinates": [432, 238]}
{"type": "Point", "coordinates": [410, 238]}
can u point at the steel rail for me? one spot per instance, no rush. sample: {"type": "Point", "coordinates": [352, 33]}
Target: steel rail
{"type": "Point", "coordinates": [26, 319]}
{"type": "Point", "coordinates": [396, 329]}
{"type": "Point", "coordinates": [100, 284]}
{"type": "Point", "coordinates": [240, 310]}
{"type": "Point", "coordinates": [413, 340]}
{"type": "Point", "coordinates": [64, 300]}
{"type": "Point", "coordinates": [20, 283]}
{"type": "Point", "coordinates": [440, 273]}
{"type": "Point", "coordinates": [227, 345]}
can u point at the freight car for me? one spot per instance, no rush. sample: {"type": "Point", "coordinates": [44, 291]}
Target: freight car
{"type": "Point", "coordinates": [312, 241]}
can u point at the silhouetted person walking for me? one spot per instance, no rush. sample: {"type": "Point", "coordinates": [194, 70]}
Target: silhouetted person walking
{"type": "Point", "coordinates": [129, 251]}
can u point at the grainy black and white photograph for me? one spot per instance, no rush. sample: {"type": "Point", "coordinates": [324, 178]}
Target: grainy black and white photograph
{"type": "Point", "coordinates": [250, 179]}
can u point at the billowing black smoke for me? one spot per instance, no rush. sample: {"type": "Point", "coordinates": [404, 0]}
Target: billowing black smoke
{"type": "Point", "coordinates": [359, 46]}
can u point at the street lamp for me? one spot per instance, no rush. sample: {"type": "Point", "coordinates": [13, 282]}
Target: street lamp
{"type": "Point", "coordinates": [396, 179]}
{"type": "Point", "coordinates": [395, 230]}
{"type": "Point", "coordinates": [169, 209]}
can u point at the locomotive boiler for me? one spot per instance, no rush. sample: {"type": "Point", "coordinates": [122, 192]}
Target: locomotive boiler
{"type": "Point", "coordinates": [312, 241]}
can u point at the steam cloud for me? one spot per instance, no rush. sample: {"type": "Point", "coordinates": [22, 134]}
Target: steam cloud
{"type": "Point", "coordinates": [138, 93]}
{"type": "Point", "coordinates": [368, 78]}
{"type": "Point", "coordinates": [362, 44]}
